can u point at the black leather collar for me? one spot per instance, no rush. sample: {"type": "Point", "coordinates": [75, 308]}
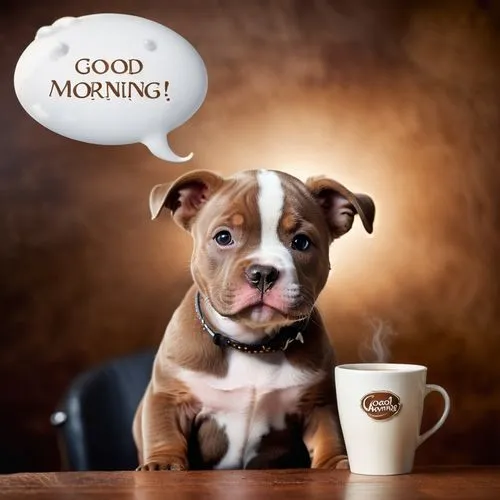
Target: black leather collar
{"type": "Point", "coordinates": [279, 342]}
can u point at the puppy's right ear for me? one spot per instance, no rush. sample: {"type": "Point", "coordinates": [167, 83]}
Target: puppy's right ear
{"type": "Point", "coordinates": [185, 196]}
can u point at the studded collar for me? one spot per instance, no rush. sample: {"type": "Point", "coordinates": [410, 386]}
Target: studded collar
{"type": "Point", "coordinates": [279, 342]}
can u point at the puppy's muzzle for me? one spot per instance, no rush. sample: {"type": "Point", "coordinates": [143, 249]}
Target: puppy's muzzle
{"type": "Point", "coordinates": [261, 277]}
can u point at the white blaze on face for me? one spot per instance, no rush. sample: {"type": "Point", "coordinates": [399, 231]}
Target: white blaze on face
{"type": "Point", "coordinates": [271, 201]}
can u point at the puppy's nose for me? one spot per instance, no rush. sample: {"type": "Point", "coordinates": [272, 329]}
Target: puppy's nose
{"type": "Point", "coordinates": [261, 277]}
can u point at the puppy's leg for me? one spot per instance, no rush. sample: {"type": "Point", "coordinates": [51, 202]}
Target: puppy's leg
{"type": "Point", "coordinates": [165, 425]}
{"type": "Point", "coordinates": [137, 431]}
{"type": "Point", "coordinates": [322, 438]}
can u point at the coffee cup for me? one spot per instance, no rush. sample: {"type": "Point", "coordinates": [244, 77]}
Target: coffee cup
{"type": "Point", "coordinates": [380, 409]}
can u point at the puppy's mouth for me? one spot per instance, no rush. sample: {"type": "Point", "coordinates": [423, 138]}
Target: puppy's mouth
{"type": "Point", "coordinates": [262, 305]}
{"type": "Point", "coordinates": [262, 311]}
{"type": "Point", "coordinates": [277, 306]}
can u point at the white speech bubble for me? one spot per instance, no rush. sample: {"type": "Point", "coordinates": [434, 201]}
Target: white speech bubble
{"type": "Point", "coordinates": [111, 79]}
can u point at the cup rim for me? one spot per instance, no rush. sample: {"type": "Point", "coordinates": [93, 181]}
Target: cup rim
{"type": "Point", "coordinates": [381, 367]}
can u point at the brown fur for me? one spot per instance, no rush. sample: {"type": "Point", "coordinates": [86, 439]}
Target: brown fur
{"type": "Point", "coordinates": [209, 443]}
{"type": "Point", "coordinates": [167, 431]}
{"type": "Point", "coordinates": [168, 436]}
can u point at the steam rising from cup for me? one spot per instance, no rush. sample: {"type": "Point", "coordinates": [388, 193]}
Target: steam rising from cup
{"type": "Point", "coordinates": [376, 348]}
{"type": "Point", "coordinates": [111, 79]}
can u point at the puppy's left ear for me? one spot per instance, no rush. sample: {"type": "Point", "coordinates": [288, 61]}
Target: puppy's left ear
{"type": "Point", "coordinates": [340, 205]}
{"type": "Point", "coordinates": [185, 196]}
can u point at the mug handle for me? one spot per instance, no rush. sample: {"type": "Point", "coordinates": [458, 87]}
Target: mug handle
{"type": "Point", "coordinates": [437, 388]}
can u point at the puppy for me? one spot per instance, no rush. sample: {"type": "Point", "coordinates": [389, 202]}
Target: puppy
{"type": "Point", "coordinates": [243, 377]}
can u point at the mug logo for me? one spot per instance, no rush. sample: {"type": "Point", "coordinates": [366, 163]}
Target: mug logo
{"type": "Point", "coordinates": [381, 405]}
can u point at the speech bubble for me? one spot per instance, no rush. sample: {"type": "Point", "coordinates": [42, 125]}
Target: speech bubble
{"type": "Point", "coordinates": [111, 79]}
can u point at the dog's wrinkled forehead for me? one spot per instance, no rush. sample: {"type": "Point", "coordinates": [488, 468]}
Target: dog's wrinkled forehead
{"type": "Point", "coordinates": [275, 198]}
{"type": "Point", "coordinates": [261, 199]}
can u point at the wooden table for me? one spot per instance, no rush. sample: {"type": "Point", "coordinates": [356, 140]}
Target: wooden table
{"type": "Point", "coordinates": [430, 483]}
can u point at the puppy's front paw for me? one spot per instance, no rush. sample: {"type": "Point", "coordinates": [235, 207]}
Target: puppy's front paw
{"type": "Point", "coordinates": [165, 463]}
{"type": "Point", "coordinates": [338, 462]}
{"type": "Point", "coordinates": [342, 464]}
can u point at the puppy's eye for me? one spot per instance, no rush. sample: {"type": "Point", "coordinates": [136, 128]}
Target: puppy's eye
{"type": "Point", "coordinates": [301, 242]}
{"type": "Point", "coordinates": [223, 238]}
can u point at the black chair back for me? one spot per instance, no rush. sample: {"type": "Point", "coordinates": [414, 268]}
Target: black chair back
{"type": "Point", "coordinates": [94, 419]}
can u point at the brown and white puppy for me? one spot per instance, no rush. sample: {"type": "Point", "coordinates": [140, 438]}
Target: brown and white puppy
{"type": "Point", "coordinates": [260, 260]}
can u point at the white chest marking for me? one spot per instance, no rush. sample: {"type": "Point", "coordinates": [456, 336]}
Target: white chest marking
{"type": "Point", "coordinates": [254, 397]}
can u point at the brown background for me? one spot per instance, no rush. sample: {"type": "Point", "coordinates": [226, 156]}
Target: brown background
{"type": "Point", "coordinates": [397, 99]}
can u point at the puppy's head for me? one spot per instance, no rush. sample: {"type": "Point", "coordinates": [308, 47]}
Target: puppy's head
{"type": "Point", "coordinates": [261, 238]}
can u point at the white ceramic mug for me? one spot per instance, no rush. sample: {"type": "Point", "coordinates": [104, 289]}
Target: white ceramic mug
{"type": "Point", "coordinates": [380, 409]}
